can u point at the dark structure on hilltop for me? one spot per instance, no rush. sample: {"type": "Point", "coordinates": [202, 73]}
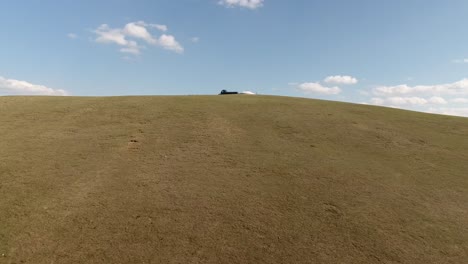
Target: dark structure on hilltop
{"type": "Point", "coordinates": [223, 92]}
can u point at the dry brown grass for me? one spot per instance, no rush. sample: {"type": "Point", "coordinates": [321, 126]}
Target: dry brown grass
{"type": "Point", "coordinates": [229, 179]}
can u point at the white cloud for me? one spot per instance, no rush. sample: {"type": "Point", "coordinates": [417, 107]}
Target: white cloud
{"type": "Point", "coordinates": [128, 37]}
{"type": "Point", "coordinates": [377, 101]}
{"type": "Point", "coordinates": [162, 28]}
{"type": "Point", "coordinates": [195, 39]}
{"type": "Point", "coordinates": [338, 79]}
{"type": "Point", "coordinates": [168, 42]}
{"type": "Point", "coordinates": [460, 100]}
{"type": "Point", "coordinates": [15, 87]}
{"type": "Point", "coordinates": [109, 35]}
{"type": "Point", "coordinates": [437, 100]}
{"type": "Point", "coordinates": [72, 36]}
{"type": "Point", "coordinates": [138, 30]}
{"type": "Point", "coordinates": [132, 47]}
{"type": "Point", "coordinates": [251, 4]}
{"type": "Point", "coordinates": [408, 101]}
{"type": "Point", "coordinates": [398, 101]}
{"type": "Point", "coordinates": [456, 88]}
{"type": "Point", "coordinates": [318, 88]}
{"type": "Point", "coordinates": [159, 27]}
{"type": "Point", "coordinates": [450, 111]}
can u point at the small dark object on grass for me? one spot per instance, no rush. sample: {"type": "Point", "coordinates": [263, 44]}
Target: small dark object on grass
{"type": "Point", "coordinates": [226, 92]}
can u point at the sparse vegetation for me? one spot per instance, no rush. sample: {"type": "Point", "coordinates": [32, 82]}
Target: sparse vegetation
{"type": "Point", "coordinates": [229, 179]}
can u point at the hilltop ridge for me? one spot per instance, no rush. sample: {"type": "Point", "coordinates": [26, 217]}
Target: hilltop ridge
{"type": "Point", "coordinates": [229, 179]}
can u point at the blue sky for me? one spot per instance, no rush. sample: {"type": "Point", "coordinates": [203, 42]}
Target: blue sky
{"type": "Point", "coordinates": [410, 54]}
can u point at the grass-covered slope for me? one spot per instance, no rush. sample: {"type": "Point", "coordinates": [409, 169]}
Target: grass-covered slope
{"type": "Point", "coordinates": [229, 179]}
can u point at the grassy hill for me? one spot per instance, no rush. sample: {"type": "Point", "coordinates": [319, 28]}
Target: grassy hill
{"type": "Point", "coordinates": [229, 179]}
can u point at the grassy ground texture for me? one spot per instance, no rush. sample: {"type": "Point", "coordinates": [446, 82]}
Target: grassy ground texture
{"type": "Point", "coordinates": [229, 179]}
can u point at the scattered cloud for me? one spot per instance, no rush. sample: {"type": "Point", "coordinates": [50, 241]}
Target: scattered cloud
{"type": "Point", "coordinates": [438, 98]}
{"type": "Point", "coordinates": [398, 101]}
{"type": "Point", "coordinates": [128, 37]}
{"type": "Point", "coordinates": [338, 79]}
{"type": "Point", "coordinates": [72, 36]}
{"type": "Point", "coordinates": [250, 4]}
{"type": "Point", "coordinates": [456, 88]}
{"type": "Point", "coordinates": [195, 39]}
{"type": "Point", "coordinates": [318, 88]}
{"type": "Point", "coordinates": [450, 111]}
{"type": "Point", "coordinates": [410, 101]}
{"type": "Point", "coordinates": [16, 87]}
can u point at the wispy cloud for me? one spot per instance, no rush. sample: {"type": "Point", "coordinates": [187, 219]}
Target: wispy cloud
{"type": "Point", "coordinates": [162, 28]}
{"type": "Point", "coordinates": [16, 87]}
{"type": "Point", "coordinates": [250, 4]}
{"type": "Point", "coordinates": [131, 47]}
{"type": "Point", "coordinates": [72, 36]}
{"type": "Point", "coordinates": [128, 37]}
{"type": "Point", "coordinates": [195, 39]}
{"type": "Point", "coordinates": [105, 34]}
{"type": "Point", "coordinates": [460, 61]}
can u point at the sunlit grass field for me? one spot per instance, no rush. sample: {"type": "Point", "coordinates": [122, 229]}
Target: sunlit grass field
{"type": "Point", "coordinates": [229, 179]}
